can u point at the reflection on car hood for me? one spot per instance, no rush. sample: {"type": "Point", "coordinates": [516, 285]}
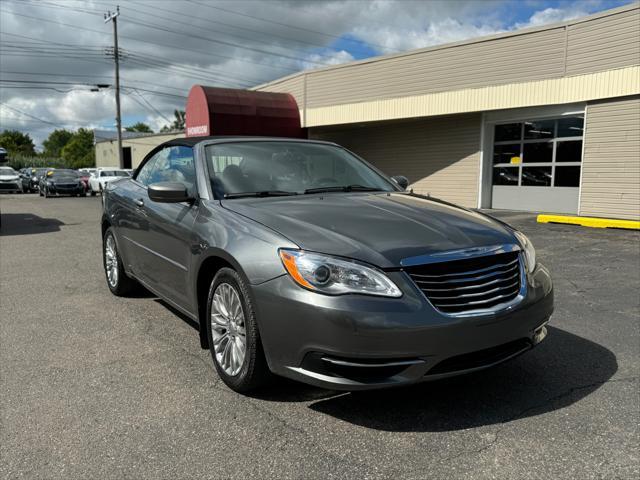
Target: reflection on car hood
{"type": "Point", "coordinates": [379, 228]}
{"type": "Point", "coordinates": [9, 177]}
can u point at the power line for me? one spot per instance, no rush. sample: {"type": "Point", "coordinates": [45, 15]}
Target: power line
{"type": "Point", "coordinates": [211, 21]}
{"type": "Point", "coordinates": [338, 37]}
{"type": "Point", "coordinates": [30, 116]}
{"type": "Point", "coordinates": [180, 70]}
{"type": "Point", "coordinates": [154, 27]}
{"type": "Point", "coordinates": [151, 106]}
{"type": "Point", "coordinates": [70, 75]}
{"type": "Point", "coordinates": [191, 26]}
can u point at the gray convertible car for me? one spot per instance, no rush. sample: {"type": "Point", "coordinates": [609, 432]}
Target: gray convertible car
{"type": "Point", "coordinates": [298, 258]}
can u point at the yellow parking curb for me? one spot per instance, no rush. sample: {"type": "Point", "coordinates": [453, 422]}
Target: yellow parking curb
{"type": "Point", "coordinates": [590, 221]}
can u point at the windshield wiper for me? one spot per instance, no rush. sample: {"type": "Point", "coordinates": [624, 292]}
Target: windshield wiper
{"type": "Point", "coordinates": [342, 188]}
{"type": "Point", "coordinates": [263, 193]}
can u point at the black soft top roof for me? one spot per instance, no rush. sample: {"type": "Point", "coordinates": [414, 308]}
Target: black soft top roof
{"type": "Point", "coordinates": [191, 141]}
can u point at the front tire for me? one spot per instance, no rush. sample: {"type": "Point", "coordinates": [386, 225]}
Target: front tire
{"type": "Point", "coordinates": [117, 280]}
{"type": "Point", "coordinates": [233, 333]}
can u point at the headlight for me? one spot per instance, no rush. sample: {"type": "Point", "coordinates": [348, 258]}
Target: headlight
{"type": "Point", "coordinates": [336, 276]}
{"type": "Point", "coordinates": [529, 251]}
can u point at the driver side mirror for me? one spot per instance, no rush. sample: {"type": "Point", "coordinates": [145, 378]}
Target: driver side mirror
{"type": "Point", "coordinates": [402, 181]}
{"type": "Point", "coordinates": [169, 192]}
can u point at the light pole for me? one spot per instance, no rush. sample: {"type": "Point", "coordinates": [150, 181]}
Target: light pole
{"type": "Point", "coordinates": [113, 17]}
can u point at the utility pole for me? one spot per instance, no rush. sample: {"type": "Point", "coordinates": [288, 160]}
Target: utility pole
{"type": "Point", "coordinates": [113, 17]}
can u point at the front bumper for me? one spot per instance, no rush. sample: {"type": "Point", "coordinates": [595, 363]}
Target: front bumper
{"type": "Point", "coordinates": [10, 186]}
{"type": "Point", "coordinates": [55, 190]}
{"type": "Point", "coordinates": [354, 342]}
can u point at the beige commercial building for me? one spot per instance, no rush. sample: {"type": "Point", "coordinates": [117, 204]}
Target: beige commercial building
{"type": "Point", "coordinates": [135, 146]}
{"type": "Point", "coordinates": [542, 119]}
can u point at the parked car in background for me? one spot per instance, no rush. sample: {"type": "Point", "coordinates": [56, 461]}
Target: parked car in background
{"type": "Point", "coordinates": [85, 176]}
{"type": "Point", "coordinates": [299, 258]}
{"type": "Point", "coordinates": [42, 178]}
{"type": "Point", "coordinates": [103, 176]}
{"type": "Point", "coordinates": [3, 155]}
{"type": "Point", "coordinates": [62, 182]}
{"type": "Point", "coordinates": [35, 180]}
{"type": "Point", "coordinates": [10, 180]}
{"type": "Point", "coordinates": [28, 180]}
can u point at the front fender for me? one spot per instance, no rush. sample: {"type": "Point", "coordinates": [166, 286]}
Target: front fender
{"type": "Point", "coordinates": [250, 247]}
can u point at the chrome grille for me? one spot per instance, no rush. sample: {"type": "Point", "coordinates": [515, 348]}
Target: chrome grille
{"type": "Point", "coordinates": [478, 283]}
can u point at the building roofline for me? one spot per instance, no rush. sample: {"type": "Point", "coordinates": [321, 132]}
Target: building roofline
{"type": "Point", "coordinates": [136, 137]}
{"type": "Point", "coordinates": [470, 41]}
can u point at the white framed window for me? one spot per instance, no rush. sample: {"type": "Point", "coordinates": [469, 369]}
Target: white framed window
{"type": "Point", "coordinates": [546, 152]}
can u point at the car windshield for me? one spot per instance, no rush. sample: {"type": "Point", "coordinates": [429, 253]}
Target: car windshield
{"type": "Point", "coordinates": [7, 171]}
{"type": "Point", "coordinates": [287, 168]}
{"type": "Point", "coordinates": [113, 173]}
{"type": "Point", "coordinates": [63, 173]}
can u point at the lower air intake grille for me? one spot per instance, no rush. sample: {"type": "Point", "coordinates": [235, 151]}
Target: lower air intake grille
{"type": "Point", "coordinates": [460, 286]}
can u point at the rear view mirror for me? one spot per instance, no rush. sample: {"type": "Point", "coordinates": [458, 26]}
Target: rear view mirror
{"type": "Point", "coordinates": [169, 192]}
{"type": "Point", "coordinates": [403, 182]}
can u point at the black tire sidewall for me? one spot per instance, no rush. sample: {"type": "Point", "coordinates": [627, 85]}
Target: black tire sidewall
{"type": "Point", "coordinates": [119, 288]}
{"type": "Point", "coordinates": [252, 372]}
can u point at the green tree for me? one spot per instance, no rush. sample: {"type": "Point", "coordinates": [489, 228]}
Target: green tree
{"type": "Point", "coordinates": [56, 141]}
{"type": "Point", "coordinates": [17, 143]}
{"type": "Point", "coordinates": [79, 152]}
{"type": "Point", "coordinates": [178, 122]}
{"type": "Point", "coordinates": [139, 127]}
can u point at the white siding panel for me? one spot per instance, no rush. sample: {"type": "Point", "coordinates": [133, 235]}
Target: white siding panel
{"type": "Point", "coordinates": [604, 43]}
{"type": "Point", "coordinates": [611, 163]}
{"type": "Point", "coordinates": [440, 156]}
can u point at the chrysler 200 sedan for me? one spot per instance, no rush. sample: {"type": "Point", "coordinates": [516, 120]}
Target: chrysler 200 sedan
{"type": "Point", "coordinates": [298, 258]}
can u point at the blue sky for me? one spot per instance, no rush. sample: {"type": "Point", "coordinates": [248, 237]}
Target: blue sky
{"type": "Point", "coordinates": [171, 45]}
{"type": "Point", "coordinates": [502, 15]}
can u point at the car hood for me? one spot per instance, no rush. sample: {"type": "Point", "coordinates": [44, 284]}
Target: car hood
{"type": "Point", "coordinates": [9, 177]}
{"type": "Point", "coordinates": [381, 229]}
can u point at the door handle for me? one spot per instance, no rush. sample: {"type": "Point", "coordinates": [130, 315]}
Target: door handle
{"type": "Point", "coordinates": [139, 202]}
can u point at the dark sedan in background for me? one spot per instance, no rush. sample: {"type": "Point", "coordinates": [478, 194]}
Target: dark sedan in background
{"type": "Point", "coordinates": [299, 258]}
{"type": "Point", "coordinates": [29, 179]}
{"type": "Point", "coordinates": [62, 182]}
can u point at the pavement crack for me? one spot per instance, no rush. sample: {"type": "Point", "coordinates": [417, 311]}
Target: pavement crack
{"type": "Point", "coordinates": [498, 433]}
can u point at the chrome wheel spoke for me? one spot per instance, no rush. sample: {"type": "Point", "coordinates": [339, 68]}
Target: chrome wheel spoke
{"type": "Point", "coordinates": [228, 329]}
{"type": "Point", "coordinates": [111, 261]}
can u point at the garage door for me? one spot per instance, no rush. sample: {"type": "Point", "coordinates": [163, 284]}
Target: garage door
{"type": "Point", "coordinates": [537, 163]}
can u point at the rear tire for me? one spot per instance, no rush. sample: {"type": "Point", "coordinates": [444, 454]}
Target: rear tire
{"type": "Point", "coordinates": [118, 281]}
{"type": "Point", "coordinates": [230, 326]}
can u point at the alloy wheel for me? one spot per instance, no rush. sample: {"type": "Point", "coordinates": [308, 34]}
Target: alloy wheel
{"type": "Point", "coordinates": [228, 329]}
{"type": "Point", "coordinates": [111, 261]}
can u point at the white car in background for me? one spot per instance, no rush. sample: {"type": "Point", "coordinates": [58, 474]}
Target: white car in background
{"type": "Point", "coordinates": [102, 176]}
{"type": "Point", "coordinates": [10, 180]}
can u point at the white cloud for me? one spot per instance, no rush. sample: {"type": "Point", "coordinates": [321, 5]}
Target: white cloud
{"type": "Point", "coordinates": [553, 15]}
{"type": "Point", "coordinates": [322, 32]}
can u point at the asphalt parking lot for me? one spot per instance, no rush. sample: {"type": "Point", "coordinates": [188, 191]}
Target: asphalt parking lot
{"type": "Point", "coordinates": [95, 386]}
